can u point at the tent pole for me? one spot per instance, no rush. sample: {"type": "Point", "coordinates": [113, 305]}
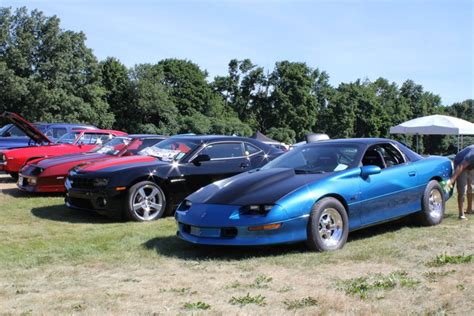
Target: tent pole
{"type": "Point", "coordinates": [417, 144]}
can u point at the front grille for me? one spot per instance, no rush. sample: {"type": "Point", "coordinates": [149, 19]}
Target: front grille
{"type": "Point", "coordinates": [80, 203]}
{"type": "Point", "coordinates": [226, 232]}
{"type": "Point", "coordinates": [81, 183]}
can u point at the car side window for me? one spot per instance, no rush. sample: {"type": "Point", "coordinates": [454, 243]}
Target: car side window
{"type": "Point", "coordinates": [94, 139]}
{"type": "Point", "coordinates": [392, 156]}
{"type": "Point", "coordinates": [223, 150]}
{"type": "Point", "coordinates": [15, 131]}
{"type": "Point", "coordinates": [251, 149]}
{"type": "Point", "coordinates": [56, 132]}
{"type": "Point", "coordinates": [374, 157]}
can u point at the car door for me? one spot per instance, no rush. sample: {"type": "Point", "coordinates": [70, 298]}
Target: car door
{"type": "Point", "coordinates": [391, 193]}
{"type": "Point", "coordinates": [226, 159]}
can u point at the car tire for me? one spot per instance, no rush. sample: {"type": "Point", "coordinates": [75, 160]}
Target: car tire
{"type": "Point", "coordinates": [328, 225]}
{"type": "Point", "coordinates": [145, 201]}
{"type": "Point", "coordinates": [433, 205]}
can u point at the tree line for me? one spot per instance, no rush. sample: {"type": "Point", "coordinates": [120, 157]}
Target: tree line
{"type": "Point", "coordinates": [49, 74]}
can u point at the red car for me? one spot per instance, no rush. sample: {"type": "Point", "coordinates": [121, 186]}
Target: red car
{"type": "Point", "coordinates": [12, 160]}
{"type": "Point", "coordinates": [48, 175]}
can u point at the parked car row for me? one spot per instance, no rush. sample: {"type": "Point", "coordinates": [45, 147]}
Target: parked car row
{"type": "Point", "coordinates": [229, 190]}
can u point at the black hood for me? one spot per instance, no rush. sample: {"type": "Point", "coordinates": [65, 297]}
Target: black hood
{"type": "Point", "coordinates": [254, 187]}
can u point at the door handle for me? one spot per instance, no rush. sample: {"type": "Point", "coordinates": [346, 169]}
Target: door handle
{"type": "Point", "coordinates": [412, 173]}
{"type": "Point", "coordinates": [244, 165]}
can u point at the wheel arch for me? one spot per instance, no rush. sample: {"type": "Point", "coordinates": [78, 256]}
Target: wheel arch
{"type": "Point", "coordinates": [154, 178]}
{"type": "Point", "coordinates": [337, 197]}
{"type": "Point", "coordinates": [436, 178]}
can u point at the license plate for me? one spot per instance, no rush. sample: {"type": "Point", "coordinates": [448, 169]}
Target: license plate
{"type": "Point", "coordinates": [20, 180]}
{"type": "Point", "coordinates": [205, 232]}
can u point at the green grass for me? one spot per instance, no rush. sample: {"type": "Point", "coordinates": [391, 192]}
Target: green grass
{"type": "Point", "coordinates": [364, 286]}
{"type": "Point", "coordinates": [302, 303]}
{"type": "Point", "coordinates": [445, 259]}
{"type": "Point", "coordinates": [248, 299]}
{"type": "Point", "coordinates": [196, 305]}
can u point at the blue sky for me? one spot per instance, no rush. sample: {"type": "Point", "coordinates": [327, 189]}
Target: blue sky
{"type": "Point", "coordinates": [431, 42]}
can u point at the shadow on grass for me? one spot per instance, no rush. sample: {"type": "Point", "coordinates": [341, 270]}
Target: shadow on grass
{"type": "Point", "coordinates": [380, 229]}
{"type": "Point", "coordinates": [17, 193]}
{"type": "Point", "coordinates": [172, 246]}
{"type": "Point", "coordinates": [62, 213]}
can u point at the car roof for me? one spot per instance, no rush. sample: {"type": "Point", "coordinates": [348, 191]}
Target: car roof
{"type": "Point", "coordinates": [209, 138]}
{"type": "Point", "coordinates": [102, 131]}
{"type": "Point", "coordinates": [362, 141]}
{"type": "Point", "coordinates": [146, 136]}
{"type": "Point", "coordinates": [87, 126]}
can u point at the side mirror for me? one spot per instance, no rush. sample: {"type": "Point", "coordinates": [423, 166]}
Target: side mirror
{"type": "Point", "coordinates": [366, 171]}
{"type": "Point", "coordinates": [7, 134]}
{"type": "Point", "coordinates": [200, 158]}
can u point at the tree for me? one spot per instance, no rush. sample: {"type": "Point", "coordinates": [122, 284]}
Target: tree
{"type": "Point", "coordinates": [244, 89]}
{"type": "Point", "coordinates": [48, 74]}
{"type": "Point", "coordinates": [119, 92]}
{"type": "Point", "coordinates": [153, 109]}
{"type": "Point", "coordinates": [292, 103]}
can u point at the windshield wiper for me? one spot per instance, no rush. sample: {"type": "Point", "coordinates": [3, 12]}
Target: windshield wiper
{"type": "Point", "coordinates": [306, 171]}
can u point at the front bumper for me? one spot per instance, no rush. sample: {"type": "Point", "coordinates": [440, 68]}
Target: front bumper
{"type": "Point", "coordinates": [43, 185]}
{"type": "Point", "coordinates": [219, 225]}
{"type": "Point", "coordinates": [101, 201]}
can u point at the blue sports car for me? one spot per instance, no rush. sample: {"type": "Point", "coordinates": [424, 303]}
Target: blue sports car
{"type": "Point", "coordinates": [318, 193]}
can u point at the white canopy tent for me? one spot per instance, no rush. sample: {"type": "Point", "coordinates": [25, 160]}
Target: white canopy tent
{"type": "Point", "coordinates": [435, 125]}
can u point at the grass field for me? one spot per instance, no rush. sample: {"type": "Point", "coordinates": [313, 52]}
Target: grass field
{"type": "Point", "coordinates": [57, 261]}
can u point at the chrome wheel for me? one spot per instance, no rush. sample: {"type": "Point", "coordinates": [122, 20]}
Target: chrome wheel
{"type": "Point", "coordinates": [147, 202]}
{"type": "Point", "coordinates": [330, 227]}
{"type": "Point", "coordinates": [435, 204]}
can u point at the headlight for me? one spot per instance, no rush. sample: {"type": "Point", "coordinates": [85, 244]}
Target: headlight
{"type": "Point", "coordinates": [256, 209]}
{"type": "Point", "coordinates": [101, 182]}
{"type": "Point", "coordinates": [185, 205]}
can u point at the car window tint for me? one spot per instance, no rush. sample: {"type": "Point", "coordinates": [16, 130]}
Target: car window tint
{"type": "Point", "coordinates": [251, 149]}
{"type": "Point", "coordinates": [374, 157]}
{"type": "Point", "coordinates": [391, 155]}
{"type": "Point", "coordinates": [223, 150]}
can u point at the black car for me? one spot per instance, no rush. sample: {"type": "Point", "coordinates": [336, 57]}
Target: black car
{"type": "Point", "coordinates": [150, 185]}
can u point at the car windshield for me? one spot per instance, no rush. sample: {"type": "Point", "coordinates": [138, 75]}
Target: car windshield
{"type": "Point", "coordinates": [171, 149]}
{"type": "Point", "coordinates": [68, 138]}
{"type": "Point", "coordinates": [318, 158]}
{"type": "Point", "coordinates": [113, 146]}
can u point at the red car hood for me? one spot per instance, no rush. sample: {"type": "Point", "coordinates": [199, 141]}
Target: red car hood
{"type": "Point", "coordinates": [115, 162]}
{"type": "Point", "coordinates": [31, 131]}
{"type": "Point", "coordinates": [67, 159]}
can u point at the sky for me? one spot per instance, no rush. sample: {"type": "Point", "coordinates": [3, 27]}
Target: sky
{"type": "Point", "coordinates": [430, 42]}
